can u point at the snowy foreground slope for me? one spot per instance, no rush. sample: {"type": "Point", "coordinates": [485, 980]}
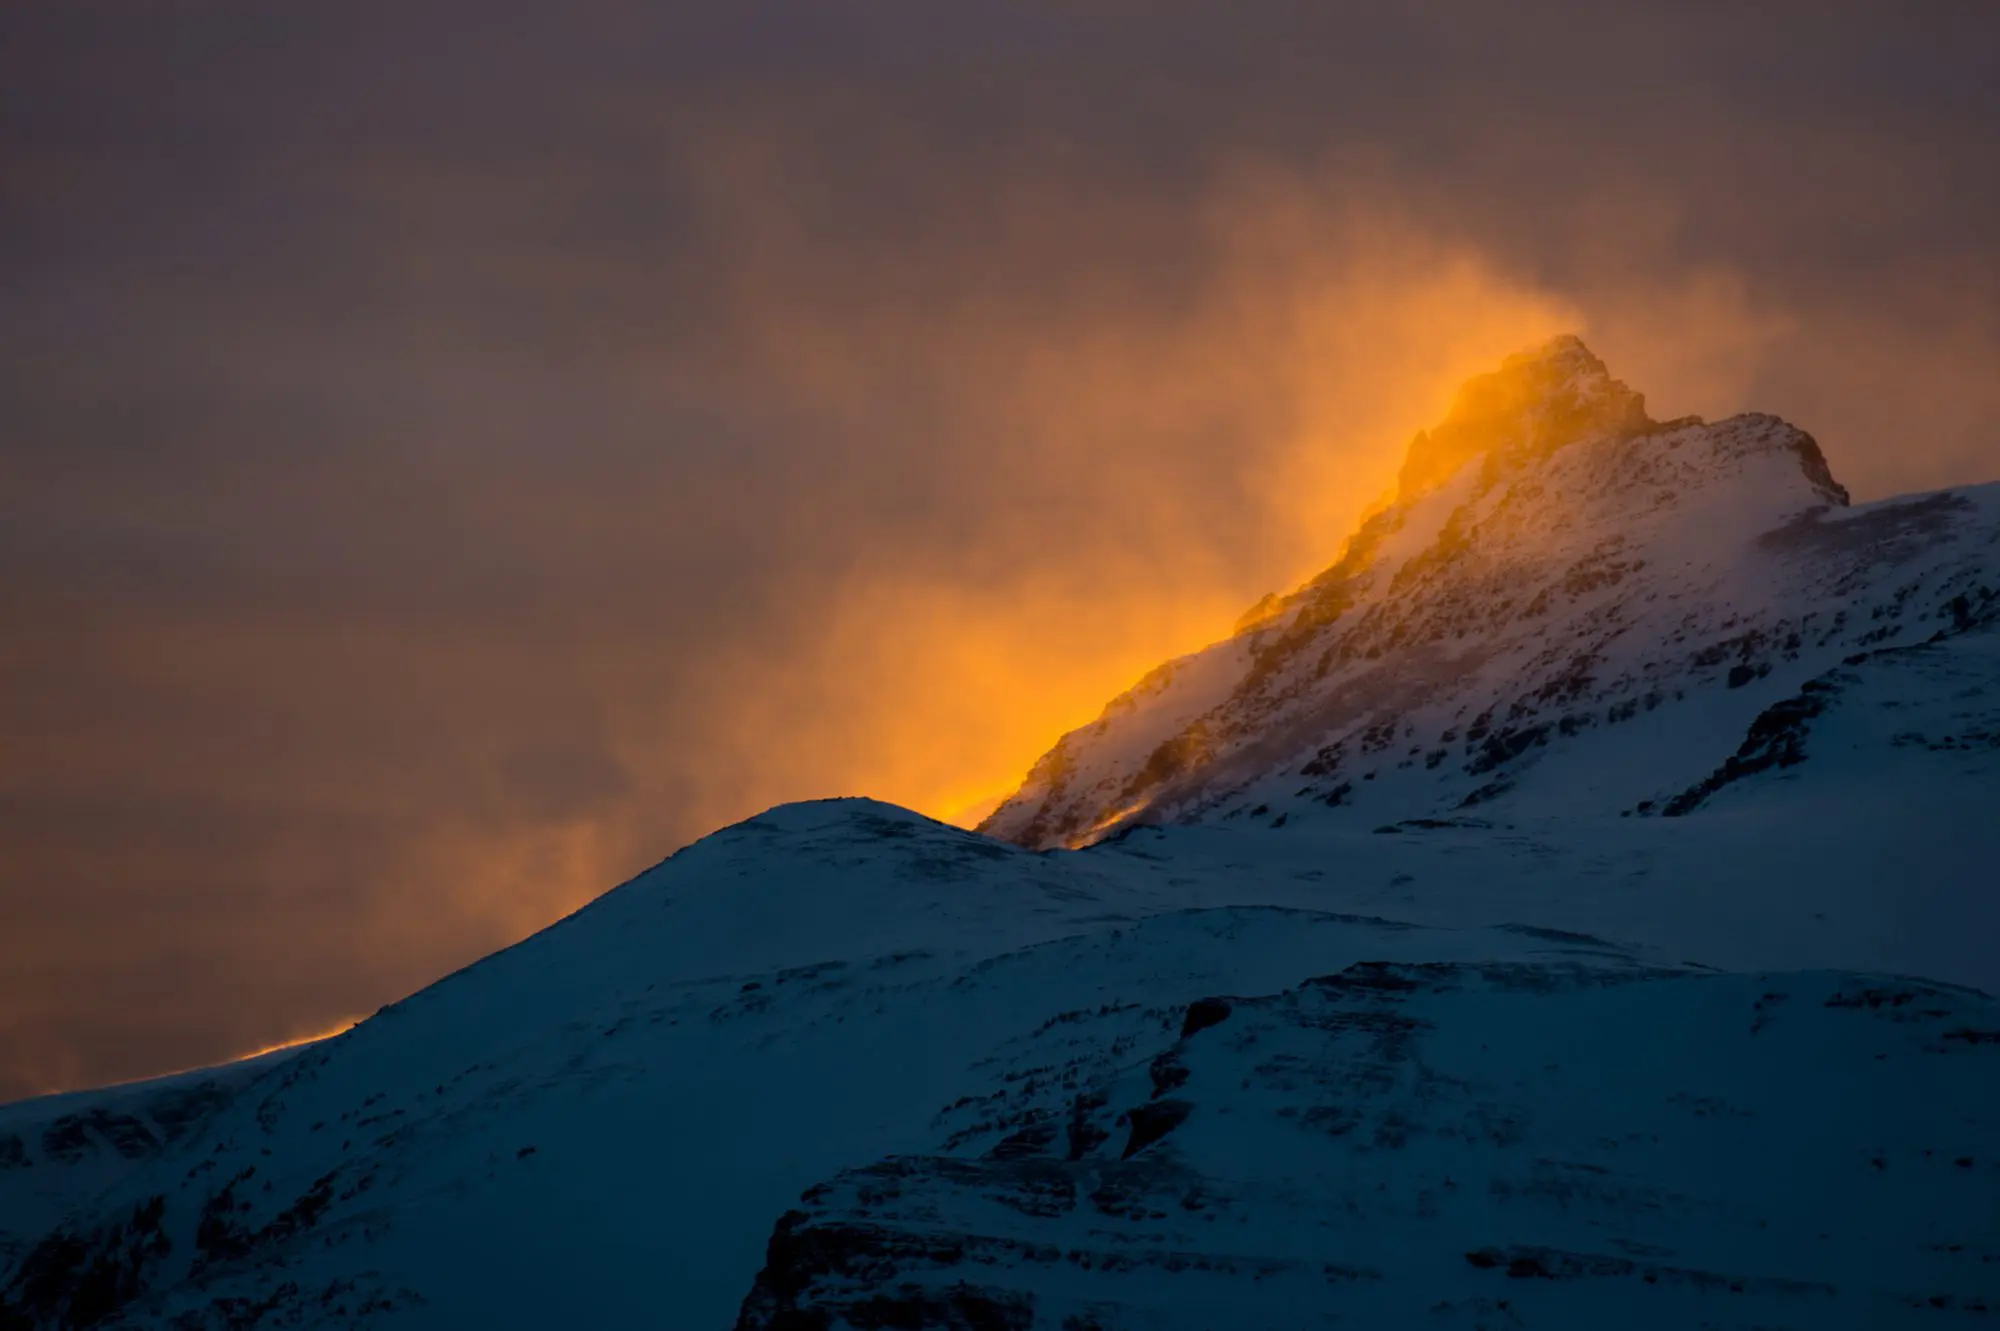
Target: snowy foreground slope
{"type": "Point", "coordinates": [1551, 1059]}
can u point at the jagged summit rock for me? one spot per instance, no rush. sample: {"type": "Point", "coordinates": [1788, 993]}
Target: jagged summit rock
{"type": "Point", "coordinates": [1554, 562]}
{"type": "Point", "coordinates": [1536, 402]}
{"type": "Point", "coordinates": [1552, 396]}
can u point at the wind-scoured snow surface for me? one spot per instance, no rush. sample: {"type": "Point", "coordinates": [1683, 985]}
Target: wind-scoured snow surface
{"type": "Point", "coordinates": [1630, 1038]}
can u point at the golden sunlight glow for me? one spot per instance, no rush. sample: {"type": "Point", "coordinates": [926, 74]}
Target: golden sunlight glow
{"type": "Point", "coordinates": [972, 813]}
{"type": "Point", "coordinates": [1146, 478]}
{"type": "Point", "coordinates": [342, 1027]}
{"type": "Point", "coordinates": [1212, 457]}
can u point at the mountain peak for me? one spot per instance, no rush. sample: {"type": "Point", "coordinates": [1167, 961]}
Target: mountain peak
{"type": "Point", "coordinates": [1536, 402]}
{"type": "Point", "coordinates": [1554, 563]}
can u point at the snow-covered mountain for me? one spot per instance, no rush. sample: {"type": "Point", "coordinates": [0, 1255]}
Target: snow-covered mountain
{"type": "Point", "coordinates": [1507, 929]}
{"type": "Point", "coordinates": [1568, 606]}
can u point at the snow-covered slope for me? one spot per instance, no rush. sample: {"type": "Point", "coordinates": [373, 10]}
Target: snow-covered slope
{"type": "Point", "coordinates": [617, 1109]}
{"type": "Point", "coordinates": [603, 1125]}
{"type": "Point", "coordinates": [59, 1148]}
{"type": "Point", "coordinates": [1555, 566]}
{"type": "Point", "coordinates": [1570, 1142]}
{"type": "Point", "coordinates": [1594, 1018]}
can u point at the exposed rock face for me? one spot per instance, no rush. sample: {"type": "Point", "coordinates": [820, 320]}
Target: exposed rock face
{"type": "Point", "coordinates": [1555, 562]}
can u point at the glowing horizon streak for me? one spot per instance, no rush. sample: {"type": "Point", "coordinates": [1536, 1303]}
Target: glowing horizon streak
{"type": "Point", "coordinates": [345, 1025]}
